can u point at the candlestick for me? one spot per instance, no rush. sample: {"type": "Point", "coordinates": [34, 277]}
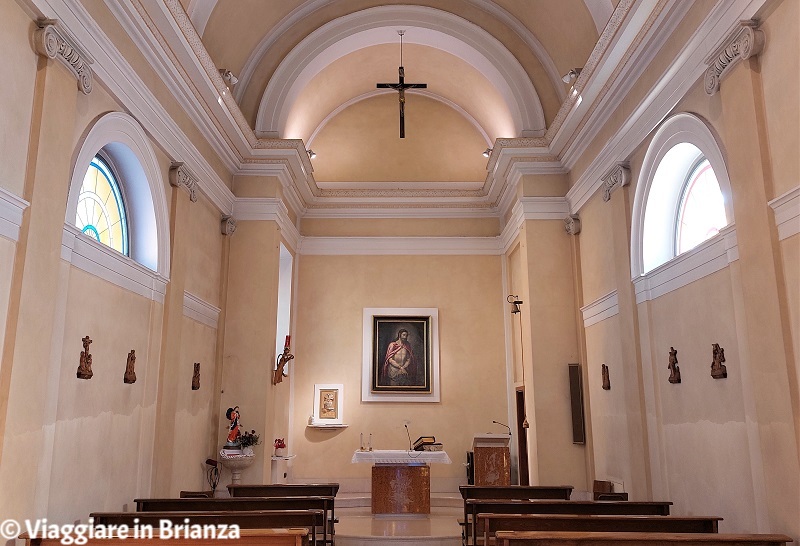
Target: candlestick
{"type": "Point", "coordinates": [361, 446]}
{"type": "Point", "coordinates": [370, 441]}
{"type": "Point", "coordinates": [288, 339]}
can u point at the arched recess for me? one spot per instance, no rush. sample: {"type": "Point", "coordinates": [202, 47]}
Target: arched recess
{"type": "Point", "coordinates": [433, 28]}
{"type": "Point", "coordinates": [124, 142]}
{"type": "Point", "coordinates": [683, 128]}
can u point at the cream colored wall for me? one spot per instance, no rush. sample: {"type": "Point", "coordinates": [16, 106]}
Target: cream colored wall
{"type": "Point", "coordinates": [597, 261]}
{"type": "Point", "coordinates": [103, 426]}
{"type": "Point", "coordinates": [790, 252]}
{"type": "Point", "coordinates": [203, 266]}
{"type": "Point", "coordinates": [400, 227]}
{"type": "Point", "coordinates": [7, 250]}
{"type": "Point", "coordinates": [332, 292]}
{"type": "Point", "coordinates": [15, 95]}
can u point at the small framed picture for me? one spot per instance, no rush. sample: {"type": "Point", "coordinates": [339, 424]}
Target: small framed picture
{"type": "Point", "coordinates": [328, 403]}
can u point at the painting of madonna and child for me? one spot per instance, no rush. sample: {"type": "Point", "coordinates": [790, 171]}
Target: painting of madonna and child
{"type": "Point", "coordinates": [401, 354]}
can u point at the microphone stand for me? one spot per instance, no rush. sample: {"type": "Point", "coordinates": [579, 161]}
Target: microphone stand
{"type": "Point", "coordinates": [503, 425]}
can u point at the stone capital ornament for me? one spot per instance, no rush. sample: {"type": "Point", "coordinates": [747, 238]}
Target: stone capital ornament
{"type": "Point", "coordinates": [744, 42]}
{"type": "Point", "coordinates": [181, 177]}
{"type": "Point", "coordinates": [52, 41]}
{"type": "Point", "coordinates": [572, 224]}
{"type": "Point", "coordinates": [618, 176]}
{"type": "Point", "coordinates": [227, 225]}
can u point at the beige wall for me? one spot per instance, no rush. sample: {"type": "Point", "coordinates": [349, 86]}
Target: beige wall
{"type": "Point", "coordinates": [402, 227]}
{"type": "Point", "coordinates": [332, 293]}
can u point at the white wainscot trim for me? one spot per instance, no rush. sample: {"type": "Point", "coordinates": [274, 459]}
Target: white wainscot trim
{"type": "Point", "coordinates": [108, 264]}
{"type": "Point", "coordinates": [11, 209]}
{"type": "Point", "coordinates": [199, 310]}
{"type": "Point", "coordinates": [787, 213]}
{"type": "Point", "coordinates": [383, 246]}
{"type": "Point", "coordinates": [599, 310]}
{"type": "Point", "coordinates": [705, 259]}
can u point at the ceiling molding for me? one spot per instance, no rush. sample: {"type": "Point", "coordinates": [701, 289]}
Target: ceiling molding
{"type": "Point", "coordinates": [600, 10]}
{"type": "Point", "coordinates": [199, 11]}
{"type": "Point", "coordinates": [787, 213]}
{"type": "Point", "coordinates": [400, 246]}
{"type": "Point", "coordinates": [269, 209]}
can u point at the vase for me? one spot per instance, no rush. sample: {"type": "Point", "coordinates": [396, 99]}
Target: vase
{"type": "Point", "coordinates": [280, 452]}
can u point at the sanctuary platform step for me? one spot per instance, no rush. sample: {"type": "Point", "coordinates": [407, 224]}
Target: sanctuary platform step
{"type": "Point", "coordinates": [368, 530]}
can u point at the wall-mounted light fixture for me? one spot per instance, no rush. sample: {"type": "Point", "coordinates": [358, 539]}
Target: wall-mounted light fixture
{"type": "Point", "coordinates": [487, 152]}
{"type": "Point", "coordinates": [311, 154]}
{"type": "Point", "coordinates": [515, 303]}
{"type": "Point", "coordinates": [570, 77]}
{"type": "Point", "coordinates": [228, 77]}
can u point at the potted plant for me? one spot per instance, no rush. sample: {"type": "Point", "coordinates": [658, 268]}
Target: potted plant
{"type": "Point", "coordinates": [248, 440]}
{"type": "Point", "coordinates": [280, 447]}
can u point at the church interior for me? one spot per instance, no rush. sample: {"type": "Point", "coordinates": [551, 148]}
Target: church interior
{"type": "Point", "coordinates": [584, 215]}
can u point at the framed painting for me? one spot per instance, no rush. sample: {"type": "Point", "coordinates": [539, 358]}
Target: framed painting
{"type": "Point", "coordinates": [400, 355]}
{"type": "Point", "coordinates": [328, 402]}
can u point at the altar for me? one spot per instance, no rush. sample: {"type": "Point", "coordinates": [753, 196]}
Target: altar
{"type": "Point", "coordinates": [401, 479]}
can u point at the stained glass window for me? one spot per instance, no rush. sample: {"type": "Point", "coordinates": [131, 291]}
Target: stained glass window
{"type": "Point", "coordinates": [101, 211]}
{"type": "Point", "coordinates": [702, 209]}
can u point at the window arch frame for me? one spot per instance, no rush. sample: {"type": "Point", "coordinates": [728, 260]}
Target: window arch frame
{"type": "Point", "coordinates": [679, 128]}
{"type": "Point", "coordinates": [118, 190]}
{"type": "Point", "coordinates": [121, 141]}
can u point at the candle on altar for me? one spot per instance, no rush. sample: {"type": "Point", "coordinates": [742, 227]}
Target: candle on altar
{"type": "Point", "coordinates": [288, 339]}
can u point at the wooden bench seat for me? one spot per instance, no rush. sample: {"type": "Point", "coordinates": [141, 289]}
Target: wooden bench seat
{"type": "Point", "coordinates": [248, 537]}
{"type": "Point", "coordinates": [492, 523]}
{"type": "Point", "coordinates": [509, 506]}
{"type": "Point", "coordinates": [253, 519]}
{"type": "Point", "coordinates": [545, 538]}
{"type": "Point", "coordinates": [284, 490]}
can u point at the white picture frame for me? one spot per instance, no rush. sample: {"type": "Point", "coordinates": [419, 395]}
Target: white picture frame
{"type": "Point", "coordinates": [328, 404]}
{"type": "Point", "coordinates": [423, 324]}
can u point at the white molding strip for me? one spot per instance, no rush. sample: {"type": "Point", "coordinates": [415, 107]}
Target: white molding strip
{"type": "Point", "coordinates": [708, 258]}
{"type": "Point", "coordinates": [787, 213]}
{"type": "Point", "coordinates": [532, 208]}
{"type": "Point", "coordinates": [109, 265]}
{"type": "Point", "coordinates": [199, 310]}
{"type": "Point", "coordinates": [599, 310]}
{"type": "Point", "coordinates": [11, 209]}
{"type": "Point", "coordinates": [269, 209]}
{"type": "Point", "coordinates": [400, 246]}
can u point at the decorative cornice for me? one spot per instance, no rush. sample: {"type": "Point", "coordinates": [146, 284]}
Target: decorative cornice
{"type": "Point", "coordinates": [227, 225]}
{"type": "Point", "coordinates": [618, 176]}
{"type": "Point", "coordinates": [11, 209]}
{"type": "Point", "coordinates": [787, 213]}
{"type": "Point", "coordinates": [181, 177]}
{"type": "Point", "coordinates": [267, 209]}
{"type": "Point", "coordinates": [199, 310]}
{"type": "Point", "coordinates": [602, 308]}
{"type": "Point", "coordinates": [572, 224]}
{"type": "Point", "coordinates": [744, 42]}
{"type": "Point", "coordinates": [52, 41]}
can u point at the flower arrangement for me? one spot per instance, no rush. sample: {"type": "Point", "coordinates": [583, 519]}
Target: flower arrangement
{"type": "Point", "coordinates": [279, 443]}
{"type": "Point", "coordinates": [249, 439]}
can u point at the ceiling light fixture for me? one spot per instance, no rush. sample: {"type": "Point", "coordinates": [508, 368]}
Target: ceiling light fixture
{"type": "Point", "coordinates": [228, 77]}
{"type": "Point", "coordinates": [487, 152]}
{"type": "Point", "coordinates": [571, 76]}
{"type": "Point", "coordinates": [311, 154]}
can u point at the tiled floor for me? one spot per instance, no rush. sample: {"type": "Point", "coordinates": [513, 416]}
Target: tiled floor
{"type": "Point", "coordinates": [362, 530]}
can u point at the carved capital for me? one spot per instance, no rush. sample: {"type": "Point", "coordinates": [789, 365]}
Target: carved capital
{"type": "Point", "coordinates": [228, 225]}
{"type": "Point", "coordinates": [181, 177]}
{"type": "Point", "coordinates": [572, 224]}
{"type": "Point", "coordinates": [618, 176]}
{"type": "Point", "coordinates": [50, 40]}
{"type": "Point", "coordinates": [744, 42]}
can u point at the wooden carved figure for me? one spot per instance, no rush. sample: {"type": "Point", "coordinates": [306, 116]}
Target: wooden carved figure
{"type": "Point", "coordinates": [718, 369]}
{"type": "Point", "coordinates": [674, 370]}
{"type": "Point", "coordinates": [85, 366]}
{"type": "Point", "coordinates": [196, 377]}
{"type": "Point", "coordinates": [283, 359]}
{"type": "Point", "coordinates": [606, 379]}
{"type": "Point", "coordinates": [130, 373]}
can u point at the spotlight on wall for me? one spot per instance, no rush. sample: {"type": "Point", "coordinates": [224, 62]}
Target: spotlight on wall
{"type": "Point", "coordinates": [515, 303]}
{"type": "Point", "coordinates": [571, 76]}
{"type": "Point", "coordinates": [228, 77]}
{"type": "Point", "coordinates": [311, 153]}
{"type": "Point", "coordinates": [487, 152]}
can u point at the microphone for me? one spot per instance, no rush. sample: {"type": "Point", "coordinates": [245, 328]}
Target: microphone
{"type": "Point", "coordinates": [409, 436]}
{"type": "Point", "coordinates": [503, 425]}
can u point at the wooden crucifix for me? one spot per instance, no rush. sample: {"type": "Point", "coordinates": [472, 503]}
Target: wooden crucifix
{"type": "Point", "coordinates": [401, 87]}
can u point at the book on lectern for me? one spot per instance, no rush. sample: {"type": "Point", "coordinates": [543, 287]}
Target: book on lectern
{"type": "Point", "coordinates": [423, 441]}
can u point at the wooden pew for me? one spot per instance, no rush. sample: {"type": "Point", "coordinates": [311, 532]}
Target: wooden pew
{"type": "Point", "coordinates": [248, 537]}
{"type": "Point", "coordinates": [492, 523]}
{"type": "Point", "coordinates": [509, 506]}
{"type": "Point", "coordinates": [517, 492]}
{"type": "Point", "coordinates": [252, 519]}
{"type": "Point", "coordinates": [239, 504]}
{"type": "Point", "coordinates": [544, 538]}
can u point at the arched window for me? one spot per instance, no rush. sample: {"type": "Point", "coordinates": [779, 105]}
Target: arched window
{"type": "Point", "coordinates": [683, 194]}
{"type": "Point", "coordinates": [101, 209]}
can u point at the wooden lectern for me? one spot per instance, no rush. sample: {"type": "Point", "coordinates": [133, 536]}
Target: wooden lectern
{"type": "Point", "coordinates": [492, 459]}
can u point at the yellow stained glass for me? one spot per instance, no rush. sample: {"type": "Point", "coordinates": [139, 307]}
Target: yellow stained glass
{"type": "Point", "coordinates": [101, 213]}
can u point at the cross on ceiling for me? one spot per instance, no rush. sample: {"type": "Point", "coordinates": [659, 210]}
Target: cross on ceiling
{"type": "Point", "coordinates": [401, 87]}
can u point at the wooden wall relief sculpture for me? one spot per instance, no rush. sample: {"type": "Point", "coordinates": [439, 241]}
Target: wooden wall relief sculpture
{"type": "Point", "coordinates": [85, 366]}
{"type": "Point", "coordinates": [283, 359]}
{"type": "Point", "coordinates": [606, 379]}
{"type": "Point", "coordinates": [718, 369]}
{"type": "Point", "coordinates": [130, 372]}
{"type": "Point", "coordinates": [196, 377]}
{"type": "Point", "coordinates": [674, 370]}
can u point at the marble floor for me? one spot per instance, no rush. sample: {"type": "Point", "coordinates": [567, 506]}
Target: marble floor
{"type": "Point", "coordinates": [362, 530]}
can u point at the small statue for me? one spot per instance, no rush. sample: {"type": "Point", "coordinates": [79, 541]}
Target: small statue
{"type": "Point", "coordinates": [85, 366]}
{"type": "Point", "coordinates": [283, 359]}
{"type": "Point", "coordinates": [196, 377]}
{"type": "Point", "coordinates": [674, 370]}
{"type": "Point", "coordinates": [233, 435]}
{"type": "Point", "coordinates": [718, 369]}
{"type": "Point", "coordinates": [130, 373]}
{"type": "Point", "coordinates": [606, 379]}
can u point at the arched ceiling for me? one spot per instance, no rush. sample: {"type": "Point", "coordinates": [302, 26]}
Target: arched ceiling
{"type": "Point", "coordinates": [493, 68]}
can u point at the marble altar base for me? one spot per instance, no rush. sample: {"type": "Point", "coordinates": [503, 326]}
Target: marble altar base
{"type": "Point", "coordinates": [401, 489]}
